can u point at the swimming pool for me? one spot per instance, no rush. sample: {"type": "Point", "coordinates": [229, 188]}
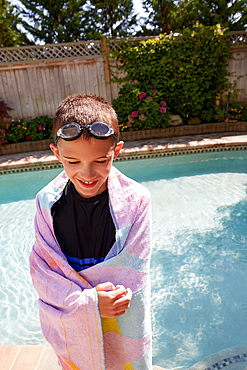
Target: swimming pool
{"type": "Point", "coordinates": [199, 302]}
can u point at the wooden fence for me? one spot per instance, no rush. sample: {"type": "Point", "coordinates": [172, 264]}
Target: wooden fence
{"type": "Point", "coordinates": [238, 68]}
{"type": "Point", "coordinates": [34, 79]}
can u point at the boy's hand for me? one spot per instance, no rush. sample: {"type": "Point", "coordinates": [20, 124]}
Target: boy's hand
{"type": "Point", "coordinates": [113, 301]}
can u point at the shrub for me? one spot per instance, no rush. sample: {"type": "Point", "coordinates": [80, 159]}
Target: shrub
{"type": "Point", "coordinates": [231, 112]}
{"type": "Point", "coordinates": [189, 71]}
{"type": "Point", "coordinates": [138, 109]}
{"type": "Point", "coordinates": [236, 112]}
{"type": "Point", "coordinates": [4, 109]}
{"type": "Point", "coordinates": [194, 121]}
{"type": "Point", "coordinates": [24, 130]}
{"type": "Point", "coordinates": [2, 137]}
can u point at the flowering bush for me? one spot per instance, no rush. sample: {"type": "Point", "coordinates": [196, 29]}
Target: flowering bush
{"type": "Point", "coordinates": [23, 130]}
{"type": "Point", "coordinates": [140, 110]}
{"type": "Point", "coordinates": [236, 112]}
{"type": "Point", "coordinates": [190, 76]}
{"type": "Point", "coordinates": [194, 121]}
{"type": "Point", "coordinates": [2, 137]}
{"type": "Point", "coordinates": [233, 113]}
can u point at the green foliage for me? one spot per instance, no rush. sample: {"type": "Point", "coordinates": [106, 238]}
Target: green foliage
{"type": "Point", "coordinates": [77, 20]}
{"type": "Point", "coordinates": [23, 130]}
{"type": "Point", "coordinates": [236, 112]}
{"type": "Point", "coordinates": [54, 21]}
{"type": "Point", "coordinates": [189, 71]}
{"type": "Point", "coordinates": [160, 16]}
{"type": "Point", "coordinates": [194, 121]}
{"type": "Point", "coordinates": [4, 109]}
{"type": "Point", "coordinates": [114, 18]}
{"type": "Point", "coordinates": [2, 137]}
{"type": "Point", "coordinates": [230, 14]}
{"type": "Point", "coordinates": [138, 109]}
{"type": "Point", "coordinates": [165, 16]}
{"type": "Point", "coordinates": [10, 35]}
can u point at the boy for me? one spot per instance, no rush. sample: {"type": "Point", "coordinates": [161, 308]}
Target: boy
{"type": "Point", "coordinates": [90, 261]}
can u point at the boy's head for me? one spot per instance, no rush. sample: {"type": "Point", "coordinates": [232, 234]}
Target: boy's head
{"type": "Point", "coordinates": [85, 109]}
{"type": "Point", "coordinates": [86, 159]}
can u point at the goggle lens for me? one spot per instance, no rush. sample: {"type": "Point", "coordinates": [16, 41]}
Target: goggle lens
{"type": "Point", "coordinates": [101, 129]}
{"type": "Point", "coordinates": [69, 131]}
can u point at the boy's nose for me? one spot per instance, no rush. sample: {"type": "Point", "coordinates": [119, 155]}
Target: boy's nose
{"type": "Point", "coordinates": [87, 173]}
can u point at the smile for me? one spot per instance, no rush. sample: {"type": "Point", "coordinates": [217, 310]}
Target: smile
{"type": "Point", "coordinates": [87, 183]}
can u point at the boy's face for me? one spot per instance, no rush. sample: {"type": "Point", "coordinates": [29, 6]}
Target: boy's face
{"type": "Point", "coordinates": [87, 163]}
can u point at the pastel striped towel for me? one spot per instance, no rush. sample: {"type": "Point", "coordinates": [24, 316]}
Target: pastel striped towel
{"type": "Point", "coordinates": [69, 313]}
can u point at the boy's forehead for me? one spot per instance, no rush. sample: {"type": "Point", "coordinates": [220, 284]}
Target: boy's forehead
{"type": "Point", "coordinates": [82, 146]}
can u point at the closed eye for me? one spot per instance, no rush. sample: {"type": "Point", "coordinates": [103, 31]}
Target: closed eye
{"type": "Point", "coordinates": [74, 162]}
{"type": "Point", "coordinates": [100, 162]}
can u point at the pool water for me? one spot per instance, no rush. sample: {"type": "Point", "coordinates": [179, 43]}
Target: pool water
{"type": "Point", "coordinates": [199, 272]}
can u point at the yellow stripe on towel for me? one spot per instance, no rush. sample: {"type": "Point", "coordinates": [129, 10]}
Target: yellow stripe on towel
{"type": "Point", "coordinates": [128, 366]}
{"type": "Point", "coordinates": [110, 325]}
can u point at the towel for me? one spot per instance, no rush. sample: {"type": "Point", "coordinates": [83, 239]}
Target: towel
{"type": "Point", "coordinates": [68, 306]}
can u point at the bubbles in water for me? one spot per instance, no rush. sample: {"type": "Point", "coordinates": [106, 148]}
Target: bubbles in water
{"type": "Point", "coordinates": [198, 252]}
{"type": "Point", "coordinates": [18, 309]}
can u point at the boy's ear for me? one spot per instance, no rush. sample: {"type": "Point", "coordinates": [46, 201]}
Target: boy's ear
{"type": "Point", "coordinates": [54, 148]}
{"type": "Point", "coordinates": [117, 149]}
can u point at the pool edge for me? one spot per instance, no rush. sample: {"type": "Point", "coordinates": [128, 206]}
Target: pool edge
{"type": "Point", "coordinates": [35, 161]}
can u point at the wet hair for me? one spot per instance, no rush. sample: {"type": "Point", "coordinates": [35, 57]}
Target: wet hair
{"type": "Point", "coordinates": [84, 109]}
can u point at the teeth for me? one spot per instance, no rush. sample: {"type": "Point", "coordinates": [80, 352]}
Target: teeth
{"type": "Point", "coordinates": [88, 182]}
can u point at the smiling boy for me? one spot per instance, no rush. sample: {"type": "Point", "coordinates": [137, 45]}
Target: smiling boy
{"type": "Point", "coordinates": [90, 261]}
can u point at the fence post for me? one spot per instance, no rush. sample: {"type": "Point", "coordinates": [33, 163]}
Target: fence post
{"type": "Point", "coordinates": [105, 50]}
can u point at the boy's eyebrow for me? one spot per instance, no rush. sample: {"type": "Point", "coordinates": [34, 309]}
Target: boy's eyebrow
{"type": "Point", "coordinates": [69, 157]}
{"type": "Point", "coordinates": [104, 156]}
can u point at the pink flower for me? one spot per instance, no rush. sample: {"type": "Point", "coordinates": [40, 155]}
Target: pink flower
{"type": "Point", "coordinates": [163, 103]}
{"type": "Point", "coordinates": [142, 95]}
{"type": "Point", "coordinates": [162, 110]}
{"type": "Point", "coordinates": [40, 127]}
{"type": "Point", "coordinates": [134, 113]}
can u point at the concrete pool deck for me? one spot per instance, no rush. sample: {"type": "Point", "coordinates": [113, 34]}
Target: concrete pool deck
{"type": "Point", "coordinates": [39, 357]}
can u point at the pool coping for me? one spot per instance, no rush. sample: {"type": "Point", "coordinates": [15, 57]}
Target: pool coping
{"type": "Point", "coordinates": [149, 148]}
{"type": "Point", "coordinates": [233, 357]}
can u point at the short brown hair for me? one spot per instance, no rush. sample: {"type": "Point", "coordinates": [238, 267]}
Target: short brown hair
{"type": "Point", "coordinates": [84, 109]}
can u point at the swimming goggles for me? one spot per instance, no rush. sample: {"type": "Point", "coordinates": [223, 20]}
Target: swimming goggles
{"type": "Point", "coordinates": [73, 130]}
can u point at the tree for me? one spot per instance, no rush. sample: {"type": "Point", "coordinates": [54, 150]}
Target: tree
{"type": "Point", "coordinates": [229, 14]}
{"type": "Point", "coordinates": [160, 16]}
{"type": "Point", "coordinates": [113, 18]}
{"type": "Point", "coordinates": [10, 35]}
{"type": "Point", "coordinates": [165, 16]}
{"type": "Point", "coordinates": [51, 21]}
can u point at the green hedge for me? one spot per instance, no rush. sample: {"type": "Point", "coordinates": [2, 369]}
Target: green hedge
{"type": "Point", "coordinates": [189, 71]}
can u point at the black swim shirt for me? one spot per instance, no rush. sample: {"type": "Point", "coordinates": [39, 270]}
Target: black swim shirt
{"type": "Point", "coordinates": [83, 227]}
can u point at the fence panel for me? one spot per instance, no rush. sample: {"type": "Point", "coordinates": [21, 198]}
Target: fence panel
{"type": "Point", "coordinates": [238, 68]}
{"type": "Point", "coordinates": [36, 89]}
